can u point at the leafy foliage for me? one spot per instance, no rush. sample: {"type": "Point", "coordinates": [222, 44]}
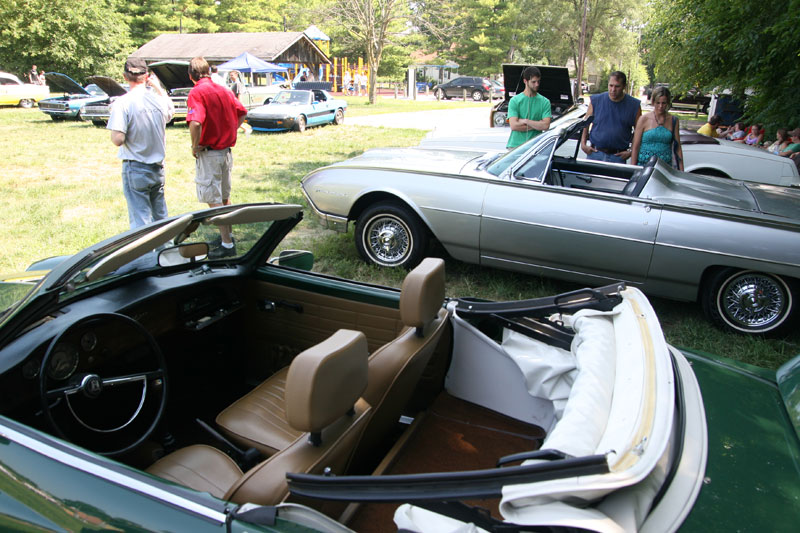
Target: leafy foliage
{"type": "Point", "coordinates": [76, 37]}
{"type": "Point", "coordinates": [736, 45]}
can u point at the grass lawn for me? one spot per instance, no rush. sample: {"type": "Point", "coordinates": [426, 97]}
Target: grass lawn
{"type": "Point", "coordinates": [61, 191]}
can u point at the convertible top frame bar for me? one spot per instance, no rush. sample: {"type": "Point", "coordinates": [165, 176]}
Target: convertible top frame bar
{"type": "Point", "coordinates": [441, 486]}
{"type": "Point", "coordinates": [602, 299]}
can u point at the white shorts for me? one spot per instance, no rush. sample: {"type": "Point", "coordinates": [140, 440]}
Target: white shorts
{"type": "Point", "coordinates": [213, 175]}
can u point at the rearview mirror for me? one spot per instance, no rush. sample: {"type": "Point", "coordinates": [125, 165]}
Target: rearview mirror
{"type": "Point", "coordinates": [183, 253]}
{"type": "Point", "coordinates": [299, 259]}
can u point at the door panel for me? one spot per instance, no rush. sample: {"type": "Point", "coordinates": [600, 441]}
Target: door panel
{"type": "Point", "coordinates": [565, 233]}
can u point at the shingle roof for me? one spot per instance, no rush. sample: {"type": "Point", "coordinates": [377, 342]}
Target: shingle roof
{"type": "Point", "coordinates": [217, 47]}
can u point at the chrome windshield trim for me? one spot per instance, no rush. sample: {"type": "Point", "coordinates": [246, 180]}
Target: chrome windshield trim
{"type": "Point", "coordinates": [118, 478]}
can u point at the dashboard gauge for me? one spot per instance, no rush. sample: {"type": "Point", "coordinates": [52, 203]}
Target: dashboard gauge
{"type": "Point", "coordinates": [63, 361]}
{"type": "Point", "coordinates": [31, 368]}
{"type": "Point", "coordinates": [88, 341]}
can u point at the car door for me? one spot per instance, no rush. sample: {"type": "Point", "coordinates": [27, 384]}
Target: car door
{"type": "Point", "coordinates": [455, 89]}
{"type": "Point", "coordinates": [582, 235]}
{"type": "Point", "coordinates": [321, 111]}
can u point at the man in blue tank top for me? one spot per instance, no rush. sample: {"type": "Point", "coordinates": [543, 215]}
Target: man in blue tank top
{"type": "Point", "coordinates": [615, 115]}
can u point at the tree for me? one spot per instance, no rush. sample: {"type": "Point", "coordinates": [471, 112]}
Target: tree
{"type": "Point", "coordinates": [372, 24]}
{"type": "Point", "coordinates": [736, 45]}
{"type": "Point", "coordinates": [75, 37]}
{"type": "Point", "coordinates": [148, 19]}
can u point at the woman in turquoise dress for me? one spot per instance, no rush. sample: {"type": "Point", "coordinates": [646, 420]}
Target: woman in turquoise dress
{"type": "Point", "coordinates": [656, 132]}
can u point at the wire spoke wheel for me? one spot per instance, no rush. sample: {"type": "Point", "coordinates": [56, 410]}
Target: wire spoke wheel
{"type": "Point", "coordinates": [388, 239]}
{"type": "Point", "coordinates": [390, 235]}
{"type": "Point", "coordinates": [753, 302]}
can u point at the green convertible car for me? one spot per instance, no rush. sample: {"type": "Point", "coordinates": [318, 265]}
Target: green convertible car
{"type": "Point", "coordinates": [147, 387]}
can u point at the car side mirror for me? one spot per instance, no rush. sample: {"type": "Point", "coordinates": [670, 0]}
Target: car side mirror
{"type": "Point", "coordinates": [299, 259]}
{"type": "Point", "coordinates": [183, 253]}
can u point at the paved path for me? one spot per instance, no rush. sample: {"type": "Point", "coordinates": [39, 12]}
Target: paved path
{"type": "Point", "coordinates": [440, 119]}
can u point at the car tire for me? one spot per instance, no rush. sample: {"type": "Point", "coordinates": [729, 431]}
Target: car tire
{"type": "Point", "coordinates": [300, 125]}
{"type": "Point", "coordinates": [26, 103]}
{"type": "Point", "coordinates": [389, 234]}
{"type": "Point", "coordinates": [477, 96]}
{"type": "Point", "coordinates": [338, 118]}
{"type": "Point", "coordinates": [439, 94]}
{"type": "Point", "coordinates": [747, 301]}
{"type": "Point", "coordinates": [499, 119]}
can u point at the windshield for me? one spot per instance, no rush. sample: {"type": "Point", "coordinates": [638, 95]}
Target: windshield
{"type": "Point", "coordinates": [13, 292]}
{"type": "Point", "coordinates": [501, 164]}
{"type": "Point", "coordinates": [171, 253]}
{"type": "Point", "coordinates": [292, 97]}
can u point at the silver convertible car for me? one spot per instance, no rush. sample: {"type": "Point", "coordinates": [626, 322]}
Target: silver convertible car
{"type": "Point", "coordinates": [733, 246]}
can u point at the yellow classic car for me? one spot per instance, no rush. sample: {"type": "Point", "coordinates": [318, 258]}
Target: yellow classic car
{"type": "Point", "coordinates": [14, 92]}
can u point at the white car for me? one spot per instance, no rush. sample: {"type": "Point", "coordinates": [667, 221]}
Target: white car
{"type": "Point", "coordinates": [14, 92]}
{"type": "Point", "coordinates": [701, 154]}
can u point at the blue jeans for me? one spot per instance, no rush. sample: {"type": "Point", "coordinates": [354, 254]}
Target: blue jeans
{"type": "Point", "coordinates": [602, 156]}
{"type": "Point", "coordinates": [143, 186]}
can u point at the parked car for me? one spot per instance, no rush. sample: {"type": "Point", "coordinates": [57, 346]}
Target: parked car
{"type": "Point", "coordinates": [71, 103]}
{"type": "Point", "coordinates": [732, 246]}
{"type": "Point", "coordinates": [693, 98]}
{"type": "Point", "coordinates": [498, 90]}
{"type": "Point", "coordinates": [14, 92]}
{"type": "Point", "coordinates": [257, 95]}
{"type": "Point", "coordinates": [296, 109]}
{"type": "Point", "coordinates": [701, 154]}
{"type": "Point", "coordinates": [98, 113]}
{"type": "Point", "coordinates": [555, 85]}
{"type": "Point", "coordinates": [109, 360]}
{"type": "Point", "coordinates": [174, 75]}
{"type": "Point", "coordinates": [474, 87]}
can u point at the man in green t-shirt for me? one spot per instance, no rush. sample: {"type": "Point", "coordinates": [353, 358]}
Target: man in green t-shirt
{"type": "Point", "coordinates": [528, 112]}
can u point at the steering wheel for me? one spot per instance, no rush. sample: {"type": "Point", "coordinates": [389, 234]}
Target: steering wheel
{"type": "Point", "coordinates": [103, 385]}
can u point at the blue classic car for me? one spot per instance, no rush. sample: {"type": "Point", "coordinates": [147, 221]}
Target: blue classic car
{"type": "Point", "coordinates": [145, 386]}
{"type": "Point", "coordinates": [75, 97]}
{"type": "Point", "coordinates": [296, 109]}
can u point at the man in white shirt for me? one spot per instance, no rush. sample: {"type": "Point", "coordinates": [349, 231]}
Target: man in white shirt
{"type": "Point", "coordinates": [215, 76]}
{"type": "Point", "coordinates": [138, 121]}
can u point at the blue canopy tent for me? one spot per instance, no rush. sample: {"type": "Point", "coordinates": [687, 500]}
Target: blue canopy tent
{"type": "Point", "coordinates": [247, 62]}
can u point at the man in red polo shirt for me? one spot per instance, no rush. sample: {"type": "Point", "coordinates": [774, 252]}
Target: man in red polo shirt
{"type": "Point", "coordinates": [214, 117]}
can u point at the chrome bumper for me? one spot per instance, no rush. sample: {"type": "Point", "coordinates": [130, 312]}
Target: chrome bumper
{"type": "Point", "coordinates": [333, 222]}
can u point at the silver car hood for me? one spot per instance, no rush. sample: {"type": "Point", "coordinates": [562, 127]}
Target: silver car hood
{"type": "Point", "coordinates": [416, 159]}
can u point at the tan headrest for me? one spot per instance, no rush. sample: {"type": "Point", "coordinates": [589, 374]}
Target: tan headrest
{"type": "Point", "coordinates": [423, 293]}
{"type": "Point", "coordinates": [325, 381]}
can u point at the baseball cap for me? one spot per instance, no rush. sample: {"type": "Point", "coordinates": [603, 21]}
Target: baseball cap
{"type": "Point", "coordinates": [135, 65]}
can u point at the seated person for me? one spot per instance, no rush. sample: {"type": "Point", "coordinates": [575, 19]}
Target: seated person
{"type": "Point", "coordinates": [709, 129]}
{"type": "Point", "coordinates": [782, 141]}
{"type": "Point", "coordinates": [794, 147]}
{"type": "Point", "coordinates": [755, 135]}
{"type": "Point", "coordinates": [737, 133]}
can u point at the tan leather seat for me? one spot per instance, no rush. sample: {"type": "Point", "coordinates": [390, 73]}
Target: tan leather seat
{"type": "Point", "coordinates": [327, 416]}
{"type": "Point", "coordinates": [396, 367]}
{"type": "Point", "coordinates": [257, 420]}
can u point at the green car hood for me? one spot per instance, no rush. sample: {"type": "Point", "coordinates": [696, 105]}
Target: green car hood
{"type": "Point", "coordinates": [753, 470]}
